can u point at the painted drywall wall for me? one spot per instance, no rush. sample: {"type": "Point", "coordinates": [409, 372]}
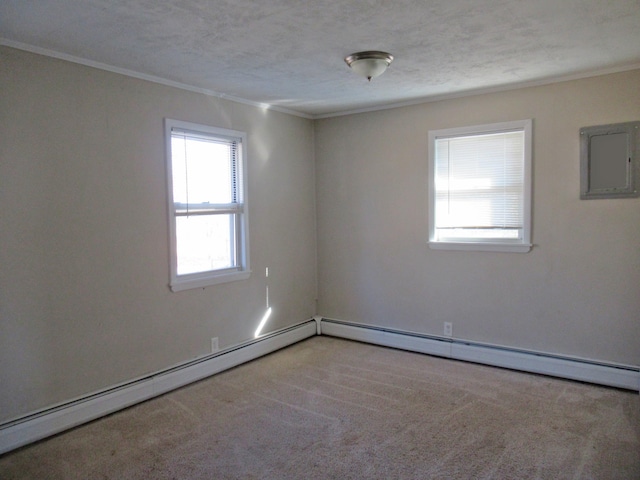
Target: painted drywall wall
{"type": "Point", "coordinates": [576, 293]}
{"type": "Point", "coordinates": [84, 297]}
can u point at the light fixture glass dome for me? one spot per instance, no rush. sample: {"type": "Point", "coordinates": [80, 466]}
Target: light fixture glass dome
{"type": "Point", "coordinates": [369, 64]}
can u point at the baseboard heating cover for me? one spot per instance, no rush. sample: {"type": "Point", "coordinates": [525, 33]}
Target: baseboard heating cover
{"type": "Point", "coordinates": [50, 421]}
{"type": "Point", "coordinates": [47, 422]}
{"type": "Point", "coordinates": [591, 371]}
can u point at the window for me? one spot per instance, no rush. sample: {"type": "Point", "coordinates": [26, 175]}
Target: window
{"type": "Point", "coordinates": [207, 205]}
{"type": "Point", "coordinates": [480, 187]}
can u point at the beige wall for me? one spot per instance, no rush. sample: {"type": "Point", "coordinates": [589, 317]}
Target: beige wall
{"type": "Point", "coordinates": [576, 293]}
{"type": "Point", "coordinates": [84, 301]}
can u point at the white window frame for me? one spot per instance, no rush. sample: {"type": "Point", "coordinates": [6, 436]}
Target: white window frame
{"type": "Point", "coordinates": [520, 245]}
{"type": "Point", "coordinates": [241, 270]}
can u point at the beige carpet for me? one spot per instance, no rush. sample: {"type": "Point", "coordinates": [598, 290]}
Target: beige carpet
{"type": "Point", "coordinates": [335, 409]}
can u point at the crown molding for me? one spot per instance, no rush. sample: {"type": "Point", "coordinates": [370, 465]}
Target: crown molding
{"type": "Point", "coordinates": [150, 78]}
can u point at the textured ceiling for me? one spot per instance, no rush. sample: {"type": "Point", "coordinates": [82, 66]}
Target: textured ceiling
{"type": "Point", "coordinates": [289, 53]}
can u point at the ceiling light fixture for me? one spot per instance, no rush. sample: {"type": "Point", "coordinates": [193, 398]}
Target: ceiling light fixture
{"type": "Point", "coordinates": [369, 64]}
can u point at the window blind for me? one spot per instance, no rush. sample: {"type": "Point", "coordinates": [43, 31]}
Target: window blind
{"type": "Point", "coordinates": [479, 182]}
{"type": "Point", "coordinates": [206, 172]}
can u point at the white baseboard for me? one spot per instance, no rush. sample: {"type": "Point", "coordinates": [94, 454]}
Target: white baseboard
{"type": "Point", "coordinates": [601, 373]}
{"type": "Point", "coordinates": [48, 422]}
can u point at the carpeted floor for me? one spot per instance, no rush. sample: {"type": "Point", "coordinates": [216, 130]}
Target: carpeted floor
{"type": "Point", "coordinates": [333, 409]}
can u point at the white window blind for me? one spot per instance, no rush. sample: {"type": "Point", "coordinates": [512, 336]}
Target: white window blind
{"type": "Point", "coordinates": [480, 185]}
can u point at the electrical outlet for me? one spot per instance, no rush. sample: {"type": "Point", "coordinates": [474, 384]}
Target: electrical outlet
{"type": "Point", "coordinates": [214, 345]}
{"type": "Point", "coordinates": [448, 329]}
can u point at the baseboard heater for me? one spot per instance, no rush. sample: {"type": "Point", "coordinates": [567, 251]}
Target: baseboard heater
{"type": "Point", "coordinates": [612, 375]}
{"type": "Point", "coordinates": [50, 421]}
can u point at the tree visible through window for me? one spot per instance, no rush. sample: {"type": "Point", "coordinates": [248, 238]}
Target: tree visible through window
{"type": "Point", "coordinates": [480, 187]}
{"type": "Point", "coordinates": [207, 205]}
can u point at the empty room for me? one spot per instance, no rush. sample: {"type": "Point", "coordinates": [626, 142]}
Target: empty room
{"type": "Point", "coordinates": [358, 239]}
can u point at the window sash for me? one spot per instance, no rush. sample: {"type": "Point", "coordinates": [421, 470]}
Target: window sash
{"type": "Point", "coordinates": [186, 209]}
{"type": "Point", "coordinates": [189, 185]}
{"type": "Point", "coordinates": [196, 253]}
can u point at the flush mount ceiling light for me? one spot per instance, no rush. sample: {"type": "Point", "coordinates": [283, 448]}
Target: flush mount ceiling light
{"type": "Point", "coordinates": [369, 64]}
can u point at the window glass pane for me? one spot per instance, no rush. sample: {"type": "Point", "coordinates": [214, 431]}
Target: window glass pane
{"type": "Point", "coordinates": [202, 170]}
{"type": "Point", "coordinates": [205, 242]}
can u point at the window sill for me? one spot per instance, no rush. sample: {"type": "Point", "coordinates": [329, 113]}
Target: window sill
{"type": "Point", "coordinates": [482, 247]}
{"type": "Point", "coordinates": [178, 285]}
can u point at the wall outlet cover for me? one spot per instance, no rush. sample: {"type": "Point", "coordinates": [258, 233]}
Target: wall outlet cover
{"type": "Point", "coordinates": [448, 329]}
